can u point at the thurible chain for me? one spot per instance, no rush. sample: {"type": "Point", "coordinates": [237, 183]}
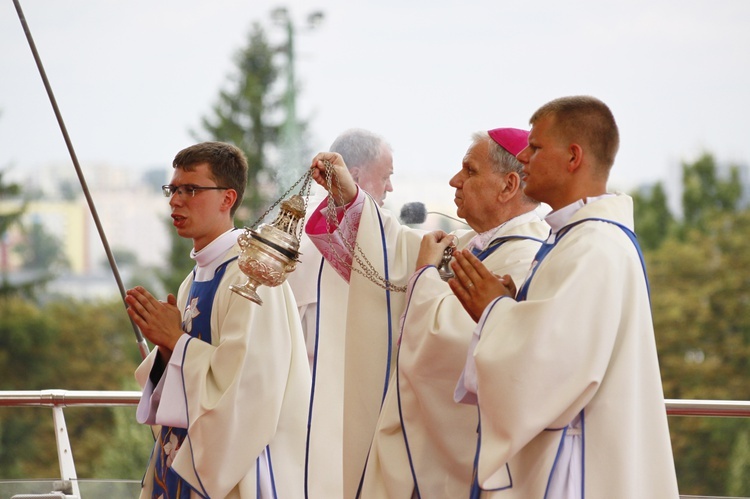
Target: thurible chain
{"type": "Point", "coordinates": [367, 269]}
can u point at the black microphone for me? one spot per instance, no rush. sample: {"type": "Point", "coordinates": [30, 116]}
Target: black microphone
{"type": "Point", "coordinates": [413, 213]}
{"type": "Point", "coordinates": [416, 213]}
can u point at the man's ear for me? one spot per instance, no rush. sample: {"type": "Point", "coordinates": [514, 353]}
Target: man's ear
{"type": "Point", "coordinates": [230, 196]}
{"type": "Point", "coordinates": [575, 157]}
{"type": "Point", "coordinates": [355, 171]}
{"type": "Point", "coordinates": [512, 184]}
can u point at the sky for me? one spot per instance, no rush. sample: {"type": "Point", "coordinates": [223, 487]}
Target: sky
{"type": "Point", "coordinates": [133, 78]}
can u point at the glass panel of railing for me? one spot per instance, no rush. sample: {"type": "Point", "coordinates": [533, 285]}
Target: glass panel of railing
{"type": "Point", "coordinates": [114, 489]}
{"type": "Point", "coordinates": [712, 455]}
{"type": "Point", "coordinates": [109, 450]}
{"type": "Point", "coordinates": [89, 489]}
{"type": "Point", "coordinates": [10, 488]}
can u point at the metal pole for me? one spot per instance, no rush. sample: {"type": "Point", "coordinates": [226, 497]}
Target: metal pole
{"type": "Point", "coordinates": [142, 346]}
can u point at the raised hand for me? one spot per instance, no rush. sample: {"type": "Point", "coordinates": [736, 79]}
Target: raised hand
{"type": "Point", "coordinates": [342, 186]}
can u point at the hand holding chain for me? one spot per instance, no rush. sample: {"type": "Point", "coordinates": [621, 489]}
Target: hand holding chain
{"type": "Point", "coordinates": [366, 268]}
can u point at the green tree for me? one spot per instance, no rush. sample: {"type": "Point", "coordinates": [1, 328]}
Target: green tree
{"type": "Point", "coordinates": [8, 217]}
{"type": "Point", "coordinates": [653, 219]}
{"type": "Point", "coordinates": [244, 115]}
{"type": "Point", "coordinates": [9, 191]}
{"type": "Point", "coordinates": [127, 448]}
{"type": "Point", "coordinates": [41, 250]}
{"type": "Point", "coordinates": [739, 465]}
{"type": "Point", "coordinates": [248, 114]}
{"type": "Point", "coordinates": [70, 345]}
{"type": "Point", "coordinates": [26, 356]}
{"type": "Point", "coordinates": [700, 289]}
{"type": "Point", "coordinates": [705, 193]}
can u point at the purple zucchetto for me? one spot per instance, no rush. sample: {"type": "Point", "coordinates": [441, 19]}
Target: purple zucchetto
{"type": "Point", "coordinates": [513, 140]}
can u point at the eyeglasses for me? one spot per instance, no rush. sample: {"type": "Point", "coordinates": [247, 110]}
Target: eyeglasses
{"type": "Point", "coordinates": [186, 189]}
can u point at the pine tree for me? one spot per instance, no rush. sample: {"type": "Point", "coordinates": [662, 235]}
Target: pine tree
{"type": "Point", "coordinates": [244, 116]}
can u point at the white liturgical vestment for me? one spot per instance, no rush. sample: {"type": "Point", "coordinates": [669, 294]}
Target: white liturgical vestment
{"type": "Point", "coordinates": [577, 356]}
{"type": "Point", "coordinates": [355, 349]}
{"type": "Point", "coordinates": [245, 395]}
{"type": "Point", "coordinates": [425, 442]}
{"type": "Point", "coordinates": [369, 346]}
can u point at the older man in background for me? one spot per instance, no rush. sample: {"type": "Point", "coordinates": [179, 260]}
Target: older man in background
{"type": "Point", "coordinates": [370, 161]}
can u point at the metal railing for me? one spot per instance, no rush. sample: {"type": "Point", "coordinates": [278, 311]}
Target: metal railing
{"type": "Point", "coordinates": [68, 398]}
{"type": "Point", "coordinates": [58, 399]}
{"type": "Point", "coordinates": [68, 486]}
{"type": "Point", "coordinates": [717, 408]}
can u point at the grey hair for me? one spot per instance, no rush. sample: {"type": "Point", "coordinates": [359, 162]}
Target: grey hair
{"type": "Point", "coordinates": [502, 160]}
{"type": "Point", "coordinates": [359, 147]}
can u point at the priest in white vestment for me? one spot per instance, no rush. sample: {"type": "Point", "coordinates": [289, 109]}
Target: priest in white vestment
{"type": "Point", "coordinates": [565, 371]}
{"type": "Point", "coordinates": [422, 443]}
{"type": "Point", "coordinates": [369, 159]}
{"type": "Point", "coordinates": [226, 388]}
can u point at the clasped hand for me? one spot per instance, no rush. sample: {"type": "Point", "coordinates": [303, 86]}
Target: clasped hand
{"type": "Point", "coordinates": [475, 286]}
{"type": "Point", "coordinates": [159, 321]}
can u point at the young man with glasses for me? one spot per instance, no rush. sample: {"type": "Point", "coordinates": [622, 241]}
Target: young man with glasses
{"type": "Point", "coordinates": [228, 381]}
